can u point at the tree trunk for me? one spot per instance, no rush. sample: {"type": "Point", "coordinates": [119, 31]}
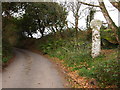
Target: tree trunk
{"type": "Point", "coordinates": [30, 34]}
{"type": "Point", "coordinates": [76, 27]}
{"type": "Point", "coordinates": [42, 31]}
{"type": "Point", "coordinates": [53, 29]}
{"type": "Point", "coordinates": [41, 27]}
{"type": "Point", "coordinates": [116, 4]}
{"type": "Point", "coordinates": [109, 20]}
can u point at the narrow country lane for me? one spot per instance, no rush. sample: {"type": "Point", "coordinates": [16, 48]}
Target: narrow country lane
{"type": "Point", "coordinates": [31, 70]}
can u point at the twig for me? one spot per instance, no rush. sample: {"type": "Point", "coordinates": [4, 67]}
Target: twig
{"type": "Point", "coordinates": [89, 4]}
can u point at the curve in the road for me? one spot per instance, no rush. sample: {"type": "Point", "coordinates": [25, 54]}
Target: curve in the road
{"type": "Point", "coordinates": [31, 70]}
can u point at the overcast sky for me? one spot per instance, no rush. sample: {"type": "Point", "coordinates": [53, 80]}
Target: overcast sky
{"type": "Point", "coordinates": [113, 12]}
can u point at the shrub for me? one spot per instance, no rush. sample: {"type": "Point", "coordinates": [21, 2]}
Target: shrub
{"type": "Point", "coordinates": [6, 51]}
{"type": "Point", "coordinates": [107, 72]}
{"type": "Point", "coordinates": [86, 72]}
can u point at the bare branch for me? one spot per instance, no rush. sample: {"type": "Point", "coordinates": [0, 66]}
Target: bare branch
{"type": "Point", "coordinates": [116, 5]}
{"type": "Point", "coordinates": [89, 4]}
{"type": "Point", "coordinates": [71, 23]}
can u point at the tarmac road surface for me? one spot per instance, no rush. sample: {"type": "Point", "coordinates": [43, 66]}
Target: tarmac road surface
{"type": "Point", "coordinates": [31, 70]}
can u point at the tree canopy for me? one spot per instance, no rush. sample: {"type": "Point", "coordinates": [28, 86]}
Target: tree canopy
{"type": "Point", "coordinates": [39, 16]}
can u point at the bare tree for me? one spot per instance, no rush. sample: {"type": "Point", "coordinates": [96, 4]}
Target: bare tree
{"type": "Point", "coordinates": [75, 8]}
{"type": "Point", "coordinates": [109, 20]}
{"type": "Point", "coordinates": [90, 17]}
{"type": "Point", "coordinates": [107, 16]}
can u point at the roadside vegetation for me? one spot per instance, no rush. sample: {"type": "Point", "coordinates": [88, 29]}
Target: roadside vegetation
{"type": "Point", "coordinates": [9, 38]}
{"type": "Point", "coordinates": [0, 54]}
{"type": "Point", "coordinates": [77, 55]}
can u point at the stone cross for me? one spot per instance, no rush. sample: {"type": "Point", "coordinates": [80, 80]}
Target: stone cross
{"type": "Point", "coordinates": [96, 41]}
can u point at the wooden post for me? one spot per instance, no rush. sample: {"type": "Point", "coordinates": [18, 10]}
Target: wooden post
{"type": "Point", "coordinates": [96, 41]}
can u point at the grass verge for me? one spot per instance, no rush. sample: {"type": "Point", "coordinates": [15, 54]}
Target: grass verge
{"type": "Point", "coordinates": [76, 55]}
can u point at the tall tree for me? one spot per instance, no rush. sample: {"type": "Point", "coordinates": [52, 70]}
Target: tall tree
{"type": "Point", "coordinates": [90, 17]}
{"type": "Point", "coordinates": [8, 21]}
{"type": "Point", "coordinates": [58, 18]}
{"type": "Point", "coordinates": [75, 8]}
{"type": "Point", "coordinates": [107, 17]}
{"type": "Point", "coordinates": [109, 20]}
{"type": "Point", "coordinates": [44, 15]}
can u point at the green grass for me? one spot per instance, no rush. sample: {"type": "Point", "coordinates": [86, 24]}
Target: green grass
{"type": "Point", "coordinates": [5, 59]}
{"type": "Point", "coordinates": [0, 50]}
{"type": "Point", "coordinates": [76, 54]}
{"type": "Point", "coordinates": [7, 53]}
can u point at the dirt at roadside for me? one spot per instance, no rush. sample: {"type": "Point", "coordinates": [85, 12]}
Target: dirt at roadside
{"type": "Point", "coordinates": [74, 80]}
{"type": "Point", "coordinates": [4, 65]}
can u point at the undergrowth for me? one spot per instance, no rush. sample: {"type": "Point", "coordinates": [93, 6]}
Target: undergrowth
{"type": "Point", "coordinates": [77, 54]}
{"type": "Point", "coordinates": [7, 53]}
